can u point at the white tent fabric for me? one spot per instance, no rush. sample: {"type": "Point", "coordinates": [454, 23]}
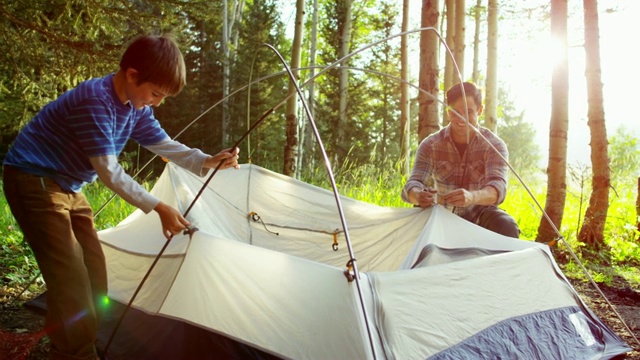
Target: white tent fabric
{"type": "Point", "coordinates": [264, 269]}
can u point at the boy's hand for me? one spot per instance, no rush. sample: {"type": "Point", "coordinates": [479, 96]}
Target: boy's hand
{"type": "Point", "coordinates": [229, 156]}
{"type": "Point", "coordinates": [172, 220]}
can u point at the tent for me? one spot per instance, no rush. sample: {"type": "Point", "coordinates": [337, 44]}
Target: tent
{"type": "Point", "coordinates": [266, 275]}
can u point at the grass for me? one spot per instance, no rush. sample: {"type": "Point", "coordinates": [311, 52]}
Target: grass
{"type": "Point", "coordinates": [382, 187]}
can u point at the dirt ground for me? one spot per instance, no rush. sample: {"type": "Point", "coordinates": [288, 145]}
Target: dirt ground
{"type": "Point", "coordinates": [21, 336]}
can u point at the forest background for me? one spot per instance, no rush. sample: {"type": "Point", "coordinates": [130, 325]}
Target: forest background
{"type": "Point", "coordinates": [368, 129]}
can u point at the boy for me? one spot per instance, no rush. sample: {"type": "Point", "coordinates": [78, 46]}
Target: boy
{"type": "Point", "coordinates": [71, 142]}
{"type": "Point", "coordinates": [468, 173]}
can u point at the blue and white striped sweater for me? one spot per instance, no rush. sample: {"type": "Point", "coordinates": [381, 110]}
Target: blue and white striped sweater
{"type": "Point", "coordinates": [84, 122]}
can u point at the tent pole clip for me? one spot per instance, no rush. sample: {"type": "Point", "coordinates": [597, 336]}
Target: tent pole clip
{"type": "Point", "coordinates": [256, 218]}
{"type": "Point", "coordinates": [348, 272]}
{"type": "Point", "coordinates": [190, 230]}
{"type": "Point", "coordinates": [335, 241]}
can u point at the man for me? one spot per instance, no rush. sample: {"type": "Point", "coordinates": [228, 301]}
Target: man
{"type": "Point", "coordinates": [461, 169]}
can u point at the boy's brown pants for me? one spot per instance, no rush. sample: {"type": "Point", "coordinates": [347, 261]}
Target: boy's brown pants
{"type": "Point", "coordinates": [59, 229]}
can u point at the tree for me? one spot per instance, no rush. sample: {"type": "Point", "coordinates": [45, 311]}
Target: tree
{"type": "Point", "coordinates": [405, 108]}
{"type": "Point", "coordinates": [307, 140]}
{"type": "Point", "coordinates": [558, 128]}
{"type": "Point", "coordinates": [592, 231]}
{"type": "Point", "coordinates": [429, 70]}
{"type": "Point", "coordinates": [491, 87]}
{"type": "Point", "coordinates": [355, 139]}
{"type": "Point", "coordinates": [459, 36]}
{"type": "Point", "coordinates": [229, 17]}
{"type": "Point", "coordinates": [624, 152]}
{"type": "Point", "coordinates": [291, 145]}
{"type": "Point", "coordinates": [345, 42]}
{"type": "Point", "coordinates": [261, 25]}
{"type": "Point", "coordinates": [477, 18]}
{"type": "Point", "coordinates": [384, 92]}
{"type": "Point", "coordinates": [449, 56]}
{"type": "Point", "coordinates": [524, 153]}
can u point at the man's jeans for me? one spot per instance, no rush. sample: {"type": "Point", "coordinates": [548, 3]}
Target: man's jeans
{"type": "Point", "coordinates": [59, 229]}
{"type": "Point", "coordinates": [498, 221]}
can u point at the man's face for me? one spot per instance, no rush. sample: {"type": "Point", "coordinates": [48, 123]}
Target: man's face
{"type": "Point", "coordinates": [458, 123]}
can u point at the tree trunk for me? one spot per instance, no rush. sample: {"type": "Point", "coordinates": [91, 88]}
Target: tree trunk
{"type": "Point", "coordinates": [238, 7]}
{"type": "Point", "coordinates": [225, 72]}
{"type": "Point", "coordinates": [491, 83]}
{"type": "Point", "coordinates": [405, 125]}
{"type": "Point", "coordinates": [592, 231]}
{"type": "Point", "coordinates": [291, 145]}
{"type": "Point", "coordinates": [428, 106]}
{"type": "Point", "coordinates": [345, 37]}
{"type": "Point", "coordinates": [449, 57]}
{"type": "Point", "coordinates": [227, 31]}
{"type": "Point", "coordinates": [475, 74]}
{"type": "Point", "coordinates": [307, 140]}
{"type": "Point", "coordinates": [459, 38]}
{"type": "Point", "coordinates": [558, 128]}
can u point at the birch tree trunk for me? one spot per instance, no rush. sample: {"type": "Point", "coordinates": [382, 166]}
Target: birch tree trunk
{"type": "Point", "coordinates": [475, 74]}
{"type": "Point", "coordinates": [227, 31]}
{"type": "Point", "coordinates": [558, 128]}
{"type": "Point", "coordinates": [405, 125]}
{"type": "Point", "coordinates": [345, 38]}
{"type": "Point", "coordinates": [592, 231]}
{"type": "Point", "coordinates": [491, 83]}
{"type": "Point", "coordinates": [291, 145]}
{"type": "Point", "coordinates": [307, 140]}
{"type": "Point", "coordinates": [429, 69]}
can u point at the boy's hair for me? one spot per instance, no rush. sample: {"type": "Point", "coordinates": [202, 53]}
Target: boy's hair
{"type": "Point", "coordinates": [158, 60]}
{"type": "Point", "coordinates": [470, 91]}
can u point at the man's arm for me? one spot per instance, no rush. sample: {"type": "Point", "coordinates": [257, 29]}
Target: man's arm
{"type": "Point", "coordinates": [412, 192]}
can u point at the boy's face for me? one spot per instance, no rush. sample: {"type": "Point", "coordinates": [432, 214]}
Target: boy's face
{"type": "Point", "coordinates": [145, 94]}
{"type": "Point", "coordinates": [458, 124]}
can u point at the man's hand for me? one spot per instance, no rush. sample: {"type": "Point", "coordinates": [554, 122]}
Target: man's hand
{"type": "Point", "coordinates": [463, 197]}
{"type": "Point", "coordinates": [172, 220]}
{"type": "Point", "coordinates": [228, 156]}
{"type": "Point", "coordinates": [424, 197]}
{"type": "Point", "coordinates": [459, 198]}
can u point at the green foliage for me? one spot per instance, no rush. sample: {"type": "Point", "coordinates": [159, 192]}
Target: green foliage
{"type": "Point", "coordinates": [624, 155]}
{"type": "Point", "coordinates": [373, 120]}
{"type": "Point", "coordinates": [48, 47]}
{"type": "Point", "coordinates": [524, 153]}
{"type": "Point", "coordinates": [16, 260]}
{"type": "Point", "coordinates": [366, 183]}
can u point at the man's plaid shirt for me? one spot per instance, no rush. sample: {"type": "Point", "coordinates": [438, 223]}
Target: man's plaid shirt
{"type": "Point", "coordinates": [438, 164]}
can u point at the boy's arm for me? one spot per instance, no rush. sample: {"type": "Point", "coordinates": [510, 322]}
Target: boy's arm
{"type": "Point", "coordinates": [191, 159]}
{"type": "Point", "coordinates": [115, 178]}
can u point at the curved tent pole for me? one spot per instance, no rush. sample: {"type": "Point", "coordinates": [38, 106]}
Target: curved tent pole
{"type": "Point", "coordinates": [352, 260]}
